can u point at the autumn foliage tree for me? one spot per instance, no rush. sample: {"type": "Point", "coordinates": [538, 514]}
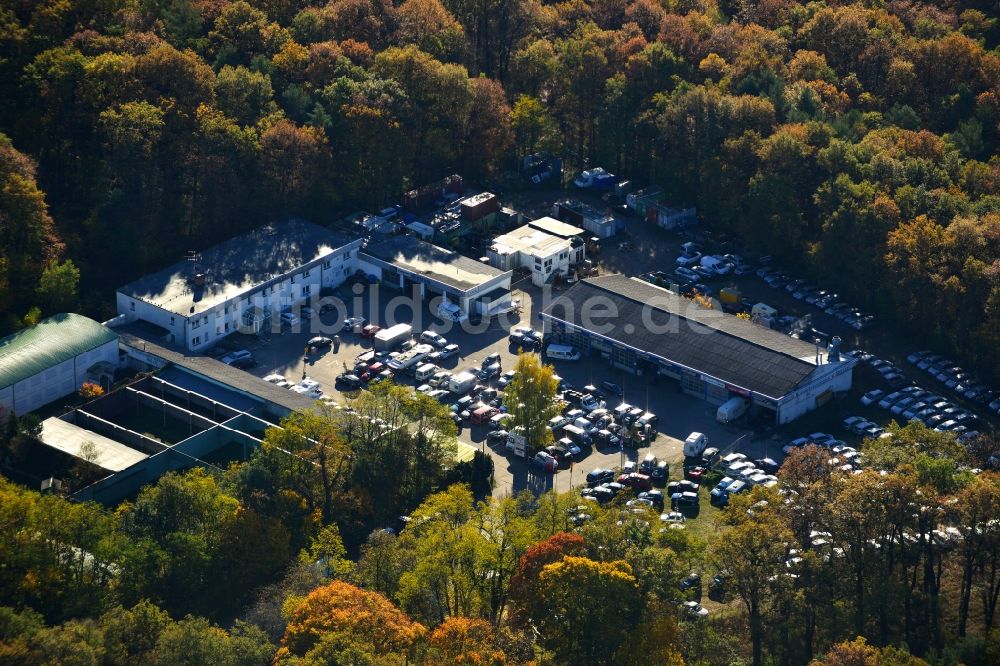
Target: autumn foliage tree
{"type": "Point", "coordinates": [340, 617]}
{"type": "Point", "coordinates": [524, 584]}
{"type": "Point", "coordinates": [460, 640]}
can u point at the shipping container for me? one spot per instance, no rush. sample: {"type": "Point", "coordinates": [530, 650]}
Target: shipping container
{"type": "Point", "coordinates": [479, 206]}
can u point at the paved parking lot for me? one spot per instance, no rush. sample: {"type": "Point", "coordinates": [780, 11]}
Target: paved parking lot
{"type": "Point", "coordinates": [679, 414]}
{"type": "Point", "coordinates": [640, 249]}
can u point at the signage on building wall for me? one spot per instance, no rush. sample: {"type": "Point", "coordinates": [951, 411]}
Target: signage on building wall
{"type": "Point", "coordinates": [737, 390]}
{"type": "Point", "coordinates": [711, 380]}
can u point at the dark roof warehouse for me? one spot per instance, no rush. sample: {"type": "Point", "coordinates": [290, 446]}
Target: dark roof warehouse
{"type": "Point", "coordinates": [662, 324]}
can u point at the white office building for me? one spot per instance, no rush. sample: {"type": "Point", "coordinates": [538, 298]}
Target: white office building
{"type": "Point", "coordinates": [240, 283]}
{"type": "Point", "coordinates": [545, 255]}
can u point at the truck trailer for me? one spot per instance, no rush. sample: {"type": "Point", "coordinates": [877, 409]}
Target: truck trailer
{"type": "Point", "coordinates": [389, 338]}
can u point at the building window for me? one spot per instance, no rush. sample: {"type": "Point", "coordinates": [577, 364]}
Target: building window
{"type": "Point", "coordinates": [306, 289]}
{"type": "Point", "coordinates": [196, 340]}
{"type": "Point", "coordinates": [195, 324]}
{"type": "Point", "coordinates": [131, 306]}
{"type": "Point", "coordinates": [346, 256]}
{"type": "Point", "coordinates": [171, 321]}
{"type": "Point", "coordinates": [326, 264]}
{"type": "Point", "coordinates": [305, 273]}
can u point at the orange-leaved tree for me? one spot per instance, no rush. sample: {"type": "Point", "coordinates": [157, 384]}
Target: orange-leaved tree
{"type": "Point", "coordinates": [90, 390]}
{"type": "Point", "coordinates": [340, 619]}
{"type": "Point", "coordinates": [463, 640]}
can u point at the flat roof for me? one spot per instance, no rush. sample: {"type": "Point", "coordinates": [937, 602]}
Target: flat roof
{"type": "Point", "coordinates": [530, 240]}
{"type": "Point", "coordinates": [661, 323]}
{"type": "Point", "coordinates": [235, 266]}
{"type": "Point", "coordinates": [556, 227]}
{"type": "Point", "coordinates": [213, 369]}
{"type": "Point", "coordinates": [48, 343]}
{"type": "Point", "coordinates": [70, 438]}
{"type": "Point", "coordinates": [415, 256]}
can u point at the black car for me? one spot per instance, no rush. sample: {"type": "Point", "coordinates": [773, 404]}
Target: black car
{"type": "Point", "coordinates": [244, 363]}
{"type": "Point", "coordinates": [660, 474]}
{"type": "Point", "coordinates": [496, 437]}
{"type": "Point", "coordinates": [690, 582]}
{"type": "Point", "coordinates": [612, 388]}
{"type": "Point", "coordinates": [492, 359]}
{"type": "Point", "coordinates": [599, 476]}
{"type": "Point", "coordinates": [527, 342]}
{"type": "Point", "coordinates": [348, 381]}
{"type": "Point", "coordinates": [717, 588]}
{"type": "Point", "coordinates": [654, 496]}
{"type": "Point", "coordinates": [604, 493]}
{"type": "Point", "coordinates": [489, 372]}
{"type": "Point", "coordinates": [320, 341]}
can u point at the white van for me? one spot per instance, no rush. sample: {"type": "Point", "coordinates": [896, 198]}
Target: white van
{"type": "Point", "coordinates": [425, 372]}
{"type": "Point", "coordinates": [695, 444]}
{"type": "Point", "coordinates": [562, 353]}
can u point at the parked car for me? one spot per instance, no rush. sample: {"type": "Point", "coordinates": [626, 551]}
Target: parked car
{"type": "Point", "coordinates": [660, 473]}
{"type": "Point", "coordinates": [320, 341]}
{"type": "Point", "coordinates": [229, 358]}
{"type": "Point", "coordinates": [870, 397]}
{"type": "Point", "coordinates": [635, 480]}
{"type": "Point", "coordinates": [694, 610]}
{"type": "Point", "coordinates": [244, 363]}
{"type": "Point", "coordinates": [348, 381]}
{"type": "Point", "coordinates": [545, 461]}
{"type": "Point", "coordinates": [434, 338]}
{"type": "Point", "coordinates": [599, 476]}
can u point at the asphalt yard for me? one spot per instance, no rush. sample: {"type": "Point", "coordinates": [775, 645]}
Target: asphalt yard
{"type": "Point", "coordinates": [679, 414]}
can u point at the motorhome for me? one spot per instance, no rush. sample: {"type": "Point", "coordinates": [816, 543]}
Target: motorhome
{"type": "Point", "coordinates": [695, 444]}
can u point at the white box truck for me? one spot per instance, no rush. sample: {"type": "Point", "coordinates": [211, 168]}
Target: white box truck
{"type": "Point", "coordinates": [462, 383]}
{"type": "Point", "coordinates": [517, 443]}
{"type": "Point", "coordinates": [695, 444]}
{"type": "Point", "coordinates": [390, 338]}
{"type": "Point", "coordinates": [731, 409]}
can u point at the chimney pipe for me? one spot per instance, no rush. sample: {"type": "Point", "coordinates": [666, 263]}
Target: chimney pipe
{"type": "Point", "coordinates": [833, 353]}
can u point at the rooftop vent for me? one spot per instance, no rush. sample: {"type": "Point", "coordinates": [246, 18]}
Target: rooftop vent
{"type": "Point", "coordinates": [833, 351]}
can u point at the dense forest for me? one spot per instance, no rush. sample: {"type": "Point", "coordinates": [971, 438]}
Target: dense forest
{"type": "Point", "coordinates": [298, 556]}
{"type": "Point", "coordinates": [855, 141]}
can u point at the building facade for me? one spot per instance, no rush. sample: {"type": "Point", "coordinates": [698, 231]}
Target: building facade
{"type": "Point", "coordinates": [647, 330]}
{"type": "Point", "coordinates": [546, 256]}
{"type": "Point", "coordinates": [406, 263]}
{"type": "Point", "coordinates": [240, 284]}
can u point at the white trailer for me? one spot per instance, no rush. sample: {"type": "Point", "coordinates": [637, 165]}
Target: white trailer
{"type": "Point", "coordinates": [392, 337]}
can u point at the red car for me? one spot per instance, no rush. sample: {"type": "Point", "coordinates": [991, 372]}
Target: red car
{"type": "Point", "coordinates": [370, 330]}
{"type": "Point", "coordinates": [635, 481]}
{"type": "Point", "coordinates": [694, 473]}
